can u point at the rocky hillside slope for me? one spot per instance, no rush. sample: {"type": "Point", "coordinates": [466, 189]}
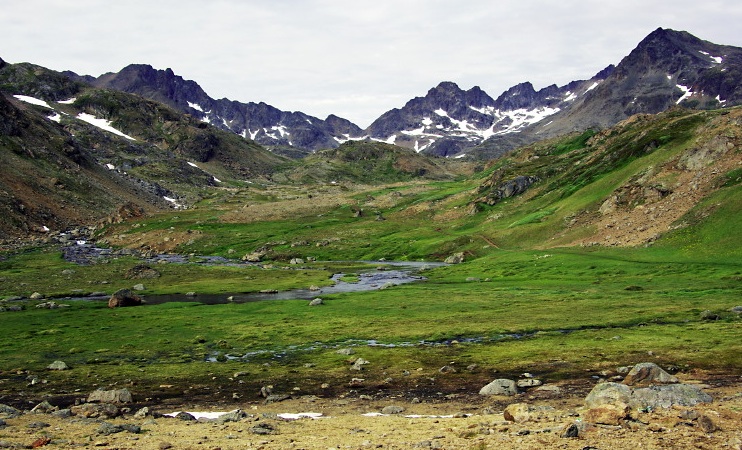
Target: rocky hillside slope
{"type": "Point", "coordinates": [74, 154]}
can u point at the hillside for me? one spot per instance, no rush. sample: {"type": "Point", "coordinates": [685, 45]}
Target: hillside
{"type": "Point", "coordinates": [74, 154]}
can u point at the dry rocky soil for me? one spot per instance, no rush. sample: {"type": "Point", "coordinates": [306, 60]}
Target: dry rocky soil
{"type": "Point", "coordinates": [552, 417]}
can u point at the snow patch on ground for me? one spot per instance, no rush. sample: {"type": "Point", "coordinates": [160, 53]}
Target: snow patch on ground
{"type": "Point", "coordinates": [103, 124]}
{"type": "Point", "coordinates": [56, 117]}
{"type": "Point", "coordinates": [69, 101]}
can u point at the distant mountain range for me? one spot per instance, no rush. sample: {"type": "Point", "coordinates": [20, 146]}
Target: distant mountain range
{"type": "Point", "coordinates": [666, 68]}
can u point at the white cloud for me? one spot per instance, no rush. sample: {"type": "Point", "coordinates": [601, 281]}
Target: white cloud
{"type": "Point", "coordinates": [353, 59]}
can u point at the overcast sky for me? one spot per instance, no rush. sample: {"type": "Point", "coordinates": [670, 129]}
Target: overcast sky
{"type": "Point", "coordinates": [350, 58]}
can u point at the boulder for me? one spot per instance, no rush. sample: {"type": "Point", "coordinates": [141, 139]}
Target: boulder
{"type": "Point", "coordinates": [668, 395]}
{"type": "Point", "coordinates": [456, 258]}
{"type": "Point", "coordinates": [124, 297]}
{"type": "Point", "coordinates": [316, 302]}
{"type": "Point", "coordinates": [653, 397]}
{"type": "Point", "coordinates": [138, 287]}
{"type": "Point", "coordinates": [608, 394]}
{"type": "Point", "coordinates": [112, 396]}
{"type": "Point", "coordinates": [500, 386]}
{"type": "Point", "coordinates": [58, 365]}
{"type": "Point", "coordinates": [648, 373]}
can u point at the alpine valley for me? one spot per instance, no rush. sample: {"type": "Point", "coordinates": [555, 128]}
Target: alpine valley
{"type": "Point", "coordinates": [555, 238]}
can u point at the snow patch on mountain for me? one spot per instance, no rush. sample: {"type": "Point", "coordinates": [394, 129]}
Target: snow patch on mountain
{"type": "Point", "coordinates": [103, 124]}
{"type": "Point", "coordinates": [33, 101]}
{"type": "Point", "coordinates": [195, 106]}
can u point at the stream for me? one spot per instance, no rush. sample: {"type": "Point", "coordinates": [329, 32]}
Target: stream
{"type": "Point", "coordinates": [379, 275]}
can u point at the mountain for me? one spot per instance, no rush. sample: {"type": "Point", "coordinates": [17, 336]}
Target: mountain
{"type": "Point", "coordinates": [449, 120]}
{"type": "Point", "coordinates": [73, 153]}
{"type": "Point", "coordinates": [260, 122]}
{"type": "Point", "coordinates": [666, 69]}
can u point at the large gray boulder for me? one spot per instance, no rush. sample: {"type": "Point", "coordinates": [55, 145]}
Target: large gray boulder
{"type": "Point", "coordinates": [669, 395]}
{"type": "Point", "coordinates": [652, 397]}
{"type": "Point", "coordinates": [112, 396]}
{"type": "Point", "coordinates": [500, 386]}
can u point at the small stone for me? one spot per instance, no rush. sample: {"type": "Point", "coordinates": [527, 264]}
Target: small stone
{"type": "Point", "coordinates": [529, 382]}
{"type": "Point", "coordinates": [392, 409]}
{"type": "Point", "coordinates": [36, 296]}
{"type": "Point", "coordinates": [706, 424]}
{"type": "Point", "coordinates": [138, 287]}
{"type": "Point", "coordinates": [316, 302]}
{"type": "Point", "coordinates": [570, 431]}
{"type": "Point", "coordinates": [186, 417]}
{"type": "Point", "coordinates": [607, 414]}
{"type": "Point", "coordinates": [58, 365]}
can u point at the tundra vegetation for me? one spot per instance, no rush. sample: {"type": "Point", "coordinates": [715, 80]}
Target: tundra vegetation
{"type": "Point", "coordinates": [607, 260]}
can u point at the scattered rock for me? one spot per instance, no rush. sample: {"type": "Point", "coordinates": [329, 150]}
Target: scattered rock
{"type": "Point", "coordinates": [232, 416]}
{"type": "Point", "coordinates": [142, 413]}
{"type": "Point", "coordinates": [528, 382]}
{"type": "Point", "coordinates": [709, 315]}
{"type": "Point", "coordinates": [737, 310]}
{"type": "Point", "coordinates": [44, 408]}
{"type": "Point", "coordinates": [522, 412]}
{"type": "Point", "coordinates": [263, 429]}
{"type": "Point", "coordinates": [570, 431]}
{"type": "Point", "coordinates": [138, 287]}
{"type": "Point", "coordinates": [608, 414]}
{"type": "Point", "coordinates": [94, 410]}
{"type": "Point", "coordinates": [316, 302]}
{"type": "Point", "coordinates": [106, 429]}
{"type": "Point", "coordinates": [253, 257]}
{"type": "Point", "coordinates": [123, 298]}
{"type": "Point", "coordinates": [112, 396]}
{"type": "Point", "coordinates": [8, 412]}
{"type": "Point", "coordinates": [186, 417]}
{"type": "Point", "coordinates": [345, 351]}
{"type": "Point", "coordinates": [36, 296]}
{"type": "Point", "coordinates": [295, 261]}
{"type": "Point", "coordinates": [648, 373]}
{"type": "Point", "coordinates": [141, 272]}
{"type": "Point", "coordinates": [456, 258]}
{"type": "Point", "coordinates": [51, 305]}
{"type": "Point", "coordinates": [447, 369]}
{"type": "Point", "coordinates": [40, 442]}
{"type": "Point", "coordinates": [706, 424]}
{"type": "Point", "coordinates": [276, 398]}
{"type": "Point", "coordinates": [359, 363]}
{"type": "Point", "coordinates": [392, 409]}
{"type": "Point", "coordinates": [500, 387]}
{"type": "Point", "coordinates": [58, 365]}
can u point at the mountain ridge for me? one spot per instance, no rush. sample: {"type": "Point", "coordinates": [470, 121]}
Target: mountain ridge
{"type": "Point", "coordinates": [449, 121]}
